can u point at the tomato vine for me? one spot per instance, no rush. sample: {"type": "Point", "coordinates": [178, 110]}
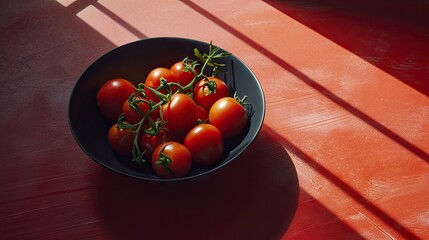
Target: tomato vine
{"type": "Point", "coordinates": [153, 127]}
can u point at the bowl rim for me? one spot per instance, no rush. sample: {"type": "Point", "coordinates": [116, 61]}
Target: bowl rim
{"type": "Point", "coordinates": [188, 177]}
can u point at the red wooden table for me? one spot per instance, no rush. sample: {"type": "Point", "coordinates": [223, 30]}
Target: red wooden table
{"type": "Point", "coordinates": [343, 153]}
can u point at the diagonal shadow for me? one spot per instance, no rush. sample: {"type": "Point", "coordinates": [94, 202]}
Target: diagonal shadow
{"type": "Point", "coordinates": [328, 94]}
{"type": "Point", "coordinates": [313, 84]}
{"type": "Point", "coordinates": [254, 197]}
{"type": "Point", "coordinates": [350, 191]}
{"type": "Point", "coordinates": [127, 205]}
{"type": "Point", "coordinates": [132, 208]}
{"type": "Point", "coordinates": [78, 6]}
{"type": "Point", "coordinates": [385, 44]}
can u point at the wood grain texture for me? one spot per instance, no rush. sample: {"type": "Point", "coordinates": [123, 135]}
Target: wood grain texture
{"type": "Point", "coordinates": [343, 153]}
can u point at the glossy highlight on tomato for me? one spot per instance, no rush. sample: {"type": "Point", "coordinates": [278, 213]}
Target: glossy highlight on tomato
{"type": "Point", "coordinates": [183, 76]}
{"type": "Point", "coordinates": [205, 142]}
{"type": "Point", "coordinates": [132, 114]}
{"type": "Point", "coordinates": [229, 116]}
{"type": "Point", "coordinates": [208, 90]}
{"type": "Point", "coordinates": [153, 80]}
{"type": "Point", "coordinates": [178, 117]}
{"type": "Point", "coordinates": [121, 140]}
{"type": "Point", "coordinates": [112, 95]}
{"type": "Point", "coordinates": [175, 163]}
{"type": "Point", "coordinates": [180, 113]}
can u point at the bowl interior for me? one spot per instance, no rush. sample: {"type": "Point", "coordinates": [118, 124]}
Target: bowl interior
{"type": "Point", "coordinates": [133, 62]}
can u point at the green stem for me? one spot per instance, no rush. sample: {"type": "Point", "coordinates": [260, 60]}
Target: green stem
{"type": "Point", "coordinates": [165, 161]}
{"type": "Point", "coordinates": [207, 60]}
{"type": "Point", "coordinates": [137, 153]}
{"type": "Point", "coordinates": [158, 94]}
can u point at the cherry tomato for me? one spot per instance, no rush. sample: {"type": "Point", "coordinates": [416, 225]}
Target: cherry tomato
{"type": "Point", "coordinates": [202, 114]}
{"type": "Point", "coordinates": [208, 90]}
{"type": "Point", "coordinates": [112, 95]}
{"type": "Point", "coordinates": [121, 140]}
{"type": "Point", "coordinates": [131, 114]}
{"type": "Point", "coordinates": [228, 116]}
{"type": "Point", "coordinates": [171, 160]}
{"type": "Point", "coordinates": [180, 113]}
{"type": "Point", "coordinates": [153, 80]}
{"type": "Point", "coordinates": [205, 142]}
{"type": "Point", "coordinates": [151, 142]}
{"type": "Point", "coordinates": [183, 77]}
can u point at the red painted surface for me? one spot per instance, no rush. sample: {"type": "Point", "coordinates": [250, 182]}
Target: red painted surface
{"type": "Point", "coordinates": [343, 153]}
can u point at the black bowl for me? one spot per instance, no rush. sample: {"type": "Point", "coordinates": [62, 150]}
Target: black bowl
{"type": "Point", "coordinates": [134, 61]}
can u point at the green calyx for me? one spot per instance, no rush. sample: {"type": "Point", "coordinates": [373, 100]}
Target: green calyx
{"type": "Point", "coordinates": [165, 161]}
{"type": "Point", "coordinates": [153, 127]}
{"type": "Point", "coordinates": [209, 87]}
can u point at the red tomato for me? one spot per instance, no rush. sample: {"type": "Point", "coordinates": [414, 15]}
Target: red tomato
{"type": "Point", "coordinates": [151, 142]}
{"type": "Point", "coordinates": [112, 95]}
{"type": "Point", "coordinates": [205, 142]}
{"type": "Point", "coordinates": [177, 162]}
{"type": "Point", "coordinates": [153, 80]}
{"type": "Point", "coordinates": [228, 116]}
{"type": "Point", "coordinates": [184, 78]}
{"type": "Point", "coordinates": [121, 140]}
{"type": "Point", "coordinates": [202, 114]}
{"type": "Point", "coordinates": [150, 95]}
{"type": "Point", "coordinates": [131, 114]}
{"type": "Point", "coordinates": [208, 91]}
{"type": "Point", "coordinates": [180, 113]}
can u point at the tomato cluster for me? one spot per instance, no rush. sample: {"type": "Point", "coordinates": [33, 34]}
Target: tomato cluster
{"type": "Point", "coordinates": [177, 117]}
